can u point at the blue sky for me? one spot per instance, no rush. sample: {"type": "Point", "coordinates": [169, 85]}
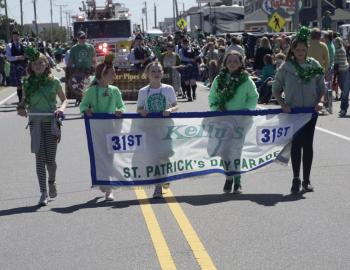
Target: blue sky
{"type": "Point", "coordinates": [164, 9]}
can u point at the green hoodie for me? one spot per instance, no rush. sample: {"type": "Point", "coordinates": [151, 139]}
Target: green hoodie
{"type": "Point", "coordinates": [246, 96]}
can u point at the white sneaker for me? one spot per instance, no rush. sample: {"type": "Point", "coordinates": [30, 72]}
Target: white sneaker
{"type": "Point", "coordinates": [158, 192]}
{"type": "Point", "coordinates": [109, 196]}
{"type": "Point", "coordinates": [43, 201]}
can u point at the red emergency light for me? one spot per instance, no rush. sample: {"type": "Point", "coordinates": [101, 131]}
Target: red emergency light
{"type": "Point", "coordinates": [103, 48]}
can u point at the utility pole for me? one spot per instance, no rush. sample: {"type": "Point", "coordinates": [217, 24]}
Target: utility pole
{"type": "Point", "coordinates": [68, 22]}
{"type": "Point", "coordinates": [51, 28]}
{"type": "Point", "coordinates": [67, 25]}
{"type": "Point", "coordinates": [21, 7]}
{"type": "Point", "coordinates": [35, 22]}
{"type": "Point", "coordinates": [143, 26]}
{"type": "Point", "coordinates": [319, 13]}
{"type": "Point", "coordinates": [146, 15]}
{"type": "Point", "coordinates": [174, 16]}
{"type": "Point", "coordinates": [296, 15]}
{"type": "Point", "coordinates": [61, 23]}
{"type": "Point", "coordinates": [155, 15]}
{"type": "Point", "coordinates": [200, 16]}
{"type": "Point", "coordinates": [176, 9]}
{"type": "Point", "coordinates": [7, 23]}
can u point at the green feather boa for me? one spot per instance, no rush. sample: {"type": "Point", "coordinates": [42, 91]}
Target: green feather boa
{"type": "Point", "coordinates": [33, 83]}
{"type": "Point", "coordinates": [227, 87]}
{"type": "Point", "coordinates": [306, 74]}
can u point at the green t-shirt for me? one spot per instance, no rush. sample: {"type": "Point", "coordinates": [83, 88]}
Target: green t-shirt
{"type": "Point", "coordinates": [44, 99]}
{"type": "Point", "coordinates": [102, 100]}
{"type": "Point", "coordinates": [82, 55]}
{"type": "Point", "coordinates": [246, 96]}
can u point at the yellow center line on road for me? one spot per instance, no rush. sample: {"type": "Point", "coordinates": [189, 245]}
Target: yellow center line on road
{"type": "Point", "coordinates": [203, 259]}
{"type": "Point", "coordinates": [162, 250]}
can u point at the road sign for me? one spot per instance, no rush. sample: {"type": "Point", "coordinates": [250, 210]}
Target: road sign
{"type": "Point", "coordinates": [276, 22]}
{"type": "Point", "coordinates": [182, 23]}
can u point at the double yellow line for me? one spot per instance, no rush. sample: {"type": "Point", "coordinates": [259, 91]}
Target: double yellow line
{"type": "Point", "coordinates": [163, 253]}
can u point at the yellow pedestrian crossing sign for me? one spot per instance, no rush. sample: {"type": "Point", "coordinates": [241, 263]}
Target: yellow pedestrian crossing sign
{"type": "Point", "coordinates": [276, 22]}
{"type": "Point", "coordinates": [182, 23]}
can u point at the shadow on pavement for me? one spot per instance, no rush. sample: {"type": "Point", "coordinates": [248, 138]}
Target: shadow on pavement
{"type": "Point", "coordinates": [195, 200]}
{"type": "Point", "coordinates": [20, 210]}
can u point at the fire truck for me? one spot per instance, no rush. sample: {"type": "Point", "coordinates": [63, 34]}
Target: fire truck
{"type": "Point", "coordinates": [109, 29]}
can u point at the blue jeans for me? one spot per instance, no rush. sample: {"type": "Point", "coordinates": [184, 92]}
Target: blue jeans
{"type": "Point", "coordinates": [343, 78]}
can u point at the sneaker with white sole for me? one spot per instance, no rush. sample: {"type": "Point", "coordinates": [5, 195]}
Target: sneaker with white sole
{"type": "Point", "coordinates": [237, 189]}
{"type": "Point", "coordinates": [158, 192]}
{"type": "Point", "coordinates": [228, 186]}
{"type": "Point", "coordinates": [44, 200]}
{"type": "Point", "coordinates": [109, 196]}
{"type": "Point", "coordinates": [52, 190]}
{"type": "Point", "coordinates": [307, 186]}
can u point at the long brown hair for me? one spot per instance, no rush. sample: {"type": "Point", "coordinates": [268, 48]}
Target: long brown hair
{"type": "Point", "coordinates": [240, 57]}
{"type": "Point", "coordinates": [295, 43]}
{"type": "Point", "coordinates": [102, 69]}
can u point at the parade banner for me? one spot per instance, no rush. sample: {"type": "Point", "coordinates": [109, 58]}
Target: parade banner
{"type": "Point", "coordinates": [134, 150]}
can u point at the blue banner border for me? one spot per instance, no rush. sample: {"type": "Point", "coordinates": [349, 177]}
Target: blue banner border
{"type": "Point", "coordinates": [96, 182]}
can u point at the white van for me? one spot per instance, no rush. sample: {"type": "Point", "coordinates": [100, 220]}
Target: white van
{"type": "Point", "coordinates": [344, 31]}
{"type": "Point", "coordinates": [154, 33]}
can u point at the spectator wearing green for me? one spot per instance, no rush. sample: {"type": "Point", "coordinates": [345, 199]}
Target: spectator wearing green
{"type": "Point", "coordinates": [82, 55]}
{"type": "Point", "coordinates": [328, 38]}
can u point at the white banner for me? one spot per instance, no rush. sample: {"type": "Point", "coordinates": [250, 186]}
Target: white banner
{"type": "Point", "coordinates": [141, 151]}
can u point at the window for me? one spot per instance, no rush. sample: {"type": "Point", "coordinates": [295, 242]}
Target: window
{"type": "Point", "coordinates": [307, 3]}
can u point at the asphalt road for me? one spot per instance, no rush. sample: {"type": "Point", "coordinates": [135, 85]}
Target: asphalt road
{"type": "Point", "coordinates": [263, 228]}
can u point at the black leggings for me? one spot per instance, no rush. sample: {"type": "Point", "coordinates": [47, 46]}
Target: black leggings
{"type": "Point", "coordinates": [303, 140]}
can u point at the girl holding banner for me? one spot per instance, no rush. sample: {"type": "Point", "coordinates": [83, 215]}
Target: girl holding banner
{"type": "Point", "coordinates": [302, 80]}
{"type": "Point", "coordinates": [103, 97]}
{"type": "Point", "coordinates": [40, 91]}
{"type": "Point", "coordinates": [156, 97]}
{"type": "Point", "coordinates": [233, 89]}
